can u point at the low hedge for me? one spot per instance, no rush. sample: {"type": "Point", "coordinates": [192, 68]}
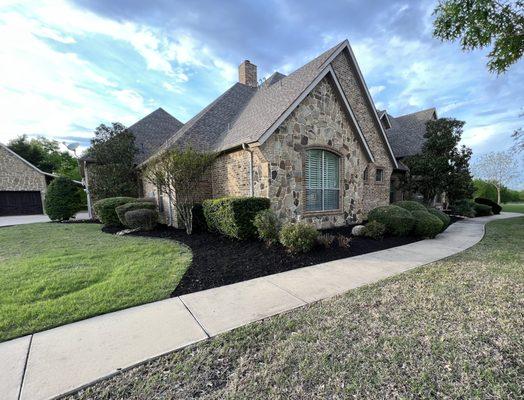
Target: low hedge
{"type": "Point", "coordinates": [482, 210]}
{"type": "Point", "coordinates": [374, 230]}
{"type": "Point", "coordinates": [105, 209]}
{"type": "Point", "coordinates": [143, 219]}
{"type": "Point", "coordinates": [495, 208]}
{"type": "Point", "coordinates": [427, 225]}
{"type": "Point", "coordinates": [398, 221]}
{"type": "Point", "coordinates": [298, 237]}
{"type": "Point", "coordinates": [446, 220]}
{"type": "Point", "coordinates": [410, 205]}
{"type": "Point", "coordinates": [233, 216]}
{"type": "Point", "coordinates": [463, 207]}
{"type": "Point", "coordinates": [135, 205]}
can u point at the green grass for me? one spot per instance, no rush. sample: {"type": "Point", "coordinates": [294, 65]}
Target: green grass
{"type": "Point", "coordinates": [513, 207]}
{"type": "Point", "coordinates": [53, 274]}
{"type": "Point", "coordinates": [452, 329]}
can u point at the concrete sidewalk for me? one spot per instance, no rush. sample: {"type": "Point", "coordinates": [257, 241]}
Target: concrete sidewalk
{"type": "Point", "coordinates": [54, 362]}
{"type": "Point", "coordinates": [32, 219]}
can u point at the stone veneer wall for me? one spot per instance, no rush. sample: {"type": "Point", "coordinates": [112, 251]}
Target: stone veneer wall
{"type": "Point", "coordinates": [320, 121]}
{"type": "Point", "coordinates": [16, 175]}
{"type": "Point", "coordinates": [375, 193]}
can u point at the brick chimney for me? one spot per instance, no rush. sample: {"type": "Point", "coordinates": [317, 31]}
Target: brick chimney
{"type": "Point", "coordinates": [247, 74]}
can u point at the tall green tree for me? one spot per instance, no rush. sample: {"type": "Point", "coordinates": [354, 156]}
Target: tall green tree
{"type": "Point", "coordinates": [482, 23]}
{"type": "Point", "coordinates": [113, 173]}
{"type": "Point", "coordinates": [498, 168]}
{"type": "Point", "coordinates": [443, 165]}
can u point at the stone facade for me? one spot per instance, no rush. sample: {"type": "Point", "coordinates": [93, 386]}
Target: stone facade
{"type": "Point", "coordinates": [16, 175]}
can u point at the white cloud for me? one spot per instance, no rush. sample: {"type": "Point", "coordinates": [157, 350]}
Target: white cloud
{"type": "Point", "coordinates": [374, 90]}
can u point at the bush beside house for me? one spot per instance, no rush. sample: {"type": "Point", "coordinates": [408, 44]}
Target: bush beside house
{"type": "Point", "coordinates": [62, 200]}
{"type": "Point", "coordinates": [135, 205]}
{"type": "Point", "coordinates": [495, 208]}
{"type": "Point", "coordinates": [426, 225]}
{"type": "Point", "coordinates": [298, 237]}
{"type": "Point", "coordinates": [106, 209]}
{"type": "Point", "coordinates": [397, 220]}
{"type": "Point", "coordinates": [144, 219]}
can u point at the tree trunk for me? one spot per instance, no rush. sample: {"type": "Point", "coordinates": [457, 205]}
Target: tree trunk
{"type": "Point", "coordinates": [498, 194]}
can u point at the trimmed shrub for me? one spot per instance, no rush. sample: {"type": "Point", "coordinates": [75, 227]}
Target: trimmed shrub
{"type": "Point", "coordinates": [298, 237]}
{"type": "Point", "coordinates": [105, 209]}
{"type": "Point", "coordinates": [374, 230]}
{"type": "Point", "coordinates": [326, 240]}
{"type": "Point", "coordinates": [135, 205]}
{"type": "Point", "coordinates": [427, 225]}
{"type": "Point", "coordinates": [446, 220]}
{"type": "Point", "coordinates": [398, 221]}
{"type": "Point", "coordinates": [143, 219]}
{"type": "Point", "coordinates": [482, 210]}
{"type": "Point", "coordinates": [199, 221]}
{"type": "Point", "coordinates": [410, 205]}
{"type": "Point", "coordinates": [62, 200]}
{"type": "Point", "coordinates": [233, 216]}
{"type": "Point", "coordinates": [495, 208]}
{"type": "Point", "coordinates": [463, 207]}
{"type": "Point", "coordinates": [268, 226]}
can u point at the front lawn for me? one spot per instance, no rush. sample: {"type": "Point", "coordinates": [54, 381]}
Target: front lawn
{"type": "Point", "coordinates": [513, 207]}
{"type": "Point", "coordinates": [53, 274]}
{"type": "Point", "coordinates": [452, 329]}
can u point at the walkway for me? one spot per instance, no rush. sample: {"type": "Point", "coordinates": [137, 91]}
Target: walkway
{"type": "Point", "coordinates": [31, 219]}
{"type": "Point", "coordinates": [63, 359]}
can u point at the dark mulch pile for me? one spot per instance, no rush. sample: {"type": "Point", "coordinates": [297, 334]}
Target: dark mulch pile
{"type": "Point", "coordinates": [218, 260]}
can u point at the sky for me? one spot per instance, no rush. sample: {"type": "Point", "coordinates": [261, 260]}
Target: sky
{"type": "Point", "coordinates": [68, 66]}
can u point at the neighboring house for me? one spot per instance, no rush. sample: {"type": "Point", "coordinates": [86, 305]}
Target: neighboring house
{"type": "Point", "coordinates": [406, 137]}
{"type": "Point", "coordinates": [22, 185]}
{"type": "Point", "coordinates": [312, 142]}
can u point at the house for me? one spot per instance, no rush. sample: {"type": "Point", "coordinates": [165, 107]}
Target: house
{"type": "Point", "coordinates": [22, 185]}
{"type": "Point", "coordinates": [312, 142]}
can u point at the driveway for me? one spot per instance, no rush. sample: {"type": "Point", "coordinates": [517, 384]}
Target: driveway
{"type": "Point", "coordinates": [31, 219]}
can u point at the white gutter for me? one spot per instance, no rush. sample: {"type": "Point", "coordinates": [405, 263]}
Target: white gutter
{"type": "Point", "coordinates": [251, 188]}
{"type": "Point", "coordinates": [89, 207]}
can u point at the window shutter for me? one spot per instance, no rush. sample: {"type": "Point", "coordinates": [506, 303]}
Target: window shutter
{"type": "Point", "coordinates": [331, 181]}
{"type": "Point", "coordinates": [314, 180]}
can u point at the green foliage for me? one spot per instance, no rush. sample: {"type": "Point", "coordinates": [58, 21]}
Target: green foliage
{"type": "Point", "coordinates": [298, 237]}
{"type": "Point", "coordinates": [105, 209]}
{"type": "Point", "coordinates": [482, 210]}
{"type": "Point", "coordinates": [411, 205]}
{"type": "Point", "coordinates": [488, 190]}
{"type": "Point", "coordinates": [199, 220]}
{"type": "Point", "coordinates": [113, 173]}
{"type": "Point", "coordinates": [136, 205]}
{"type": "Point", "coordinates": [397, 220]}
{"type": "Point", "coordinates": [143, 219]}
{"type": "Point", "coordinates": [478, 24]}
{"type": "Point", "coordinates": [234, 216]}
{"type": "Point", "coordinates": [427, 225]}
{"type": "Point", "coordinates": [268, 226]}
{"type": "Point", "coordinates": [464, 207]}
{"type": "Point", "coordinates": [375, 230]}
{"type": "Point", "coordinates": [178, 173]}
{"type": "Point", "coordinates": [45, 154]}
{"type": "Point", "coordinates": [62, 200]}
{"type": "Point", "coordinates": [495, 208]}
{"type": "Point", "coordinates": [446, 220]}
{"type": "Point", "coordinates": [442, 166]}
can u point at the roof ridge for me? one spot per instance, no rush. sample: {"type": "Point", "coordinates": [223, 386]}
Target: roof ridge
{"type": "Point", "coordinates": [417, 112]}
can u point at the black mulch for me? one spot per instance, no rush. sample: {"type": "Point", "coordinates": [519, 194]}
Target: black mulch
{"type": "Point", "coordinates": [218, 260]}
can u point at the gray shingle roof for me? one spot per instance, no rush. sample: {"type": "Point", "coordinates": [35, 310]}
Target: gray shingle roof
{"type": "Point", "coordinates": [152, 131]}
{"type": "Point", "coordinates": [406, 135]}
{"type": "Point", "coordinates": [274, 78]}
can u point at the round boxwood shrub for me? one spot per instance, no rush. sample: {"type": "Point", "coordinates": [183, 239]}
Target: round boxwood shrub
{"type": "Point", "coordinates": [268, 226]}
{"type": "Point", "coordinates": [398, 221]}
{"type": "Point", "coordinates": [495, 208]}
{"type": "Point", "coordinates": [374, 230]}
{"type": "Point", "coordinates": [135, 205]}
{"type": "Point", "coordinates": [427, 225]}
{"type": "Point", "coordinates": [446, 220]}
{"type": "Point", "coordinates": [463, 207]}
{"type": "Point", "coordinates": [298, 237]}
{"type": "Point", "coordinates": [410, 205]}
{"type": "Point", "coordinates": [105, 209]}
{"type": "Point", "coordinates": [143, 219]}
{"type": "Point", "coordinates": [62, 200]}
{"type": "Point", "coordinates": [482, 210]}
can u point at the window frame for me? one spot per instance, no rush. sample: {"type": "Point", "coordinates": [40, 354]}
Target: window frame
{"type": "Point", "coordinates": [340, 157]}
{"type": "Point", "coordinates": [382, 175]}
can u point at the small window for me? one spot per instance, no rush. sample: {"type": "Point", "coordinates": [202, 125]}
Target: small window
{"type": "Point", "coordinates": [379, 175]}
{"type": "Point", "coordinates": [366, 174]}
{"type": "Point", "coordinates": [322, 180]}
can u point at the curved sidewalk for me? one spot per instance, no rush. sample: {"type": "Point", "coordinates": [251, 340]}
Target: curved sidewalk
{"type": "Point", "coordinates": [60, 360]}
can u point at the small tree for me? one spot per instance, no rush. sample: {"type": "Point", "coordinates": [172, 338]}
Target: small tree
{"type": "Point", "coordinates": [62, 200]}
{"type": "Point", "coordinates": [442, 166]}
{"type": "Point", "coordinates": [113, 174]}
{"type": "Point", "coordinates": [498, 168]}
{"type": "Point", "coordinates": [178, 173]}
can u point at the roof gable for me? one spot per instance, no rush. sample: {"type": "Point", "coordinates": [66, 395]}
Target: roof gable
{"type": "Point", "coordinates": [11, 152]}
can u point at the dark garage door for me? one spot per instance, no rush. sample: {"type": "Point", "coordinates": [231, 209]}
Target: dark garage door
{"type": "Point", "coordinates": [20, 203]}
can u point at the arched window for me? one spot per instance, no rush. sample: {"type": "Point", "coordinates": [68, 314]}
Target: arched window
{"type": "Point", "coordinates": [322, 180]}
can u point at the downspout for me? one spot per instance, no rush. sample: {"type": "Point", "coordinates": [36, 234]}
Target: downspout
{"type": "Point", "coordinates": [89, 207]}
{"type": "Point", "coordinates": [251, 188]}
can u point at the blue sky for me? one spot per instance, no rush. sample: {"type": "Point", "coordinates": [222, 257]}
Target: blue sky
{"type": "Point", "coordinates": [67, 66]}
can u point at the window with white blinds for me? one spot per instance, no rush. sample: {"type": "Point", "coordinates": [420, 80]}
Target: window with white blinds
{"type": "Point", "coordinates": [322, 180]}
